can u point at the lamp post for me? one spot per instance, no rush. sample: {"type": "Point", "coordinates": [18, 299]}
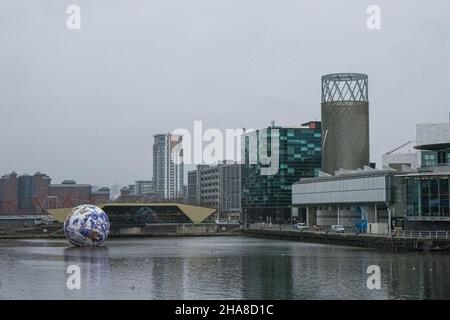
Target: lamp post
{"type": "Point", "coordinates": [245, 219]}
{"type": "Point", "coordinates": [277, 210]}
{"type": "Point", "coordinates": [389, 219]}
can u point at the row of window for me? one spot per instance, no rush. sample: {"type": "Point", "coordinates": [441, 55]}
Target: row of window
{"type": "Point", "coordinates": [427, 196]}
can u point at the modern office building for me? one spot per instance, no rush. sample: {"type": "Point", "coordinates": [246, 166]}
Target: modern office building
{"type": "Point", "coordinates": [193, 187]}
{"type": "Point", "coordinates": [273, 159]}
{"type": "Point", "coordinates": [410, 199]}
{"type": "Point", "coordinates": [433, 142]}
{"type": "Point", "coordinates": [398, 160]}
{"type": "Point", "coordinates": [230, 197]}
{"type": "Point", "coordinates": [217, 187]}
{"type": "Point", "coordinates": [132, 189]}
{"type": "Point", "coordinates": [338, 199]}
{"type": "Point", "coordinates": [140, 191]}
{"type": "Point", "coordinates": [400, 156]}
{"type": "Point", "coordinates": [143, 187]}
{"type": "Point", "coordinates": [427, 191]}
{"type": "Point", "coordinates": [345, 122]}
{"type": "Point", "coordinates": [168, 173]}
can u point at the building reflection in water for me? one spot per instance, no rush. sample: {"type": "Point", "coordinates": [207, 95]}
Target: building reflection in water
{"type": "Point", "coordinates": [267, 276]}
{"type": "Point", "coordinates": [167, 277]}
{"type": "Point", "coordinates": [423, 276]}
{"type": "Point", "coordinates": [171, 269]}
{"type": "Point", "coordinates": [221, 273]}
{"type": "Point", "coordinates": [94, 263]}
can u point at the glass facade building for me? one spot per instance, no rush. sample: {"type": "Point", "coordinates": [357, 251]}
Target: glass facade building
{"type": "Point", "coordinates": [427, 196]}
{"type": "Point", "coordinates": [299, 156]}
{"type": "Point", "coordinates": [434, 158]}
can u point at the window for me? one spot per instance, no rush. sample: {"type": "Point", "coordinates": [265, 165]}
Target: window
{"type": "Point", "coordinates": [434, 197]}
{"type": "Point", "coordinates": [444, 197]}
{"type": "Point", "coordinates": [425, 197]}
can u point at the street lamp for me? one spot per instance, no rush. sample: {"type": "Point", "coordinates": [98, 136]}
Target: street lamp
{"type": "Point", "coordinates": [389, 219]}
{"type": "Point", "coordinates": [245, 219]}
{"type": "Point", "coordinates": [277, 211]}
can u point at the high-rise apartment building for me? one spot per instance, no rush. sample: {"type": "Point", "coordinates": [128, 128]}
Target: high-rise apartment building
{"type": "Point", "coordinates": [168, 166]}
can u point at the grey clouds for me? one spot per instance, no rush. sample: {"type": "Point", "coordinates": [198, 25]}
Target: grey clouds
{"type": "Point", "coordinates": [85, 104]}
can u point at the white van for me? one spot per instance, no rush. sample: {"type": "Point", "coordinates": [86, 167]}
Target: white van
{"type": "Point", "coordinates": [337, 228]}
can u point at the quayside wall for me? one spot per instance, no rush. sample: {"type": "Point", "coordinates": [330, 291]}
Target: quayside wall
{"type": "Point", "coordinates": [155, 230]}
{"type": "Point", "coordinates": [364, 241]}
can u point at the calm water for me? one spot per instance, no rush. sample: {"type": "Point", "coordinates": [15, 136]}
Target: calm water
{"type": "Point", "coordinates": [215, 268]}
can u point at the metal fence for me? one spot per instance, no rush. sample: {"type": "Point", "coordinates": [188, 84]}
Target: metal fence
{"type": "Point", "coordinates": [421, 234]}
{"type": "Point", "coordinates": [352, 230]}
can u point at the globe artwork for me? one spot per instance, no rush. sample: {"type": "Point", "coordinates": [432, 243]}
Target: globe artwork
{"type": "Point", "coordinates": [86, 226]}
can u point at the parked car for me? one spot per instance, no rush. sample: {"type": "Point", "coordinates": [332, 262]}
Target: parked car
{"type": "Point", "coordinates": [300, 226]}
{"type": "Point", "coordinates": [337, 228]}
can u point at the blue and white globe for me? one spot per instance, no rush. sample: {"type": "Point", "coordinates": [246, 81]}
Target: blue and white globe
{"type": "Point", "coordinates": [86, 226]}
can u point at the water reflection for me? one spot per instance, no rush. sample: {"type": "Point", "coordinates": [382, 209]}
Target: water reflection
{"type": "Point", "coordinates": [94, 263]}
{"type": "Point", "coordinates": [218, 268]}
{"type": "Point", "coordinates": [420, 276]}
{"type": "Point", "coordinates": [268, 276]}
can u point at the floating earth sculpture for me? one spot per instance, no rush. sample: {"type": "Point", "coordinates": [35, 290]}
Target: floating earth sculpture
{"type": "Point", "coordinates": [86, 226]}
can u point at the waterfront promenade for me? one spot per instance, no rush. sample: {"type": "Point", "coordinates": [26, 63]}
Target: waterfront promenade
{"type": "Point", "coordinates": [397, 241]}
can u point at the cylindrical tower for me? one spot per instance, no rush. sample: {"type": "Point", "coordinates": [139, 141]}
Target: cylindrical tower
{"type": "Point", "coordinates": [345, 122]}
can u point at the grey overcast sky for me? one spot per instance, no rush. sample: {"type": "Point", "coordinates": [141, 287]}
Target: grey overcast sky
{"type": "Point", "coordinates": [84, 104]}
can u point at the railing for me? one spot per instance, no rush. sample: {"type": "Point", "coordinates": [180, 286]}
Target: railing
{"type": "Point", "coordinates": [289, 227]}
{"type": "Point", "coordinates": [421, 234]}
{"type": "Point", "coordinates": [352, 230]}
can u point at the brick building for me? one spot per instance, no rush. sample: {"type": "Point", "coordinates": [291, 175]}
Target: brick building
{"type": "Point", "coordinates": [34, 194]}
{"type": "Point", "coordinates": [68, 194]}
{"type": "Point", "coordinates": [9, 195]}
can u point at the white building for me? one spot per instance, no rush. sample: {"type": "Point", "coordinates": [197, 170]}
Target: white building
{"type": "Point", "coordinates": [143, 187]}
{"type": "Point", "coordinates": [433, 142]}
{"type": "Point", "coordinates": [397, 160]}
{"type": "Point", "coordinates": [168, 166]}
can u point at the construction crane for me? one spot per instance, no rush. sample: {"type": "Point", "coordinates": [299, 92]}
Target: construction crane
{"type": "Point", "coordinates": [405, 144]}
{"type": "Point", "coordinates": [361, 226]}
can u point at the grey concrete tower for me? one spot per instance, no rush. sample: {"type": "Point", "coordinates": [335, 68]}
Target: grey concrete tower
{"type": "Point", "coordinates": [345, 122]}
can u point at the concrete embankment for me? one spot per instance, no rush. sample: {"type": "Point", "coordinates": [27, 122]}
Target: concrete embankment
{"type": "Point", "coordinates": [177, 230]}
{"type": "Point", "coordinates": [156, 230]}
{"type": "Point", "coordinates": [365, 241]}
